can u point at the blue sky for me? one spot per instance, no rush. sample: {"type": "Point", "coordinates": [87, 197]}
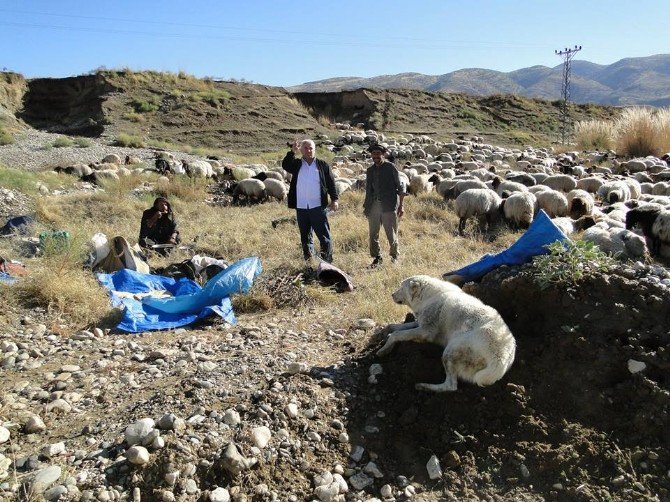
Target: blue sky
{"type": "Point", "coordinates": [285, 43]}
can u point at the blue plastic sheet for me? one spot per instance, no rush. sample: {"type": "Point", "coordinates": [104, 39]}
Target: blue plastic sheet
{"type": "Point", "coordinates": [533, 242]}
{"type": "Point", "coordinates": [5, 278]}
{"type": "Point", "coordinates": [188, 302]}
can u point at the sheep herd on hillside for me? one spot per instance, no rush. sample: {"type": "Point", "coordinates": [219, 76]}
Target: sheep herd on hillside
{"type": "Point", "coordinates": [623, 206]}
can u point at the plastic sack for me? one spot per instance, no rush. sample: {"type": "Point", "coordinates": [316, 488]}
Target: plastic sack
{"type": "Point", "coordinates": [100, 246]}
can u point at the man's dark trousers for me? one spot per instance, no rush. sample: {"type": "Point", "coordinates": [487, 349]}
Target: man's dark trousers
{"type": "Point", "coordinates": [315, 219]}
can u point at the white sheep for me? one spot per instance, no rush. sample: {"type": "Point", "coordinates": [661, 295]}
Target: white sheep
{"type": "Point", "coordinates": [519, 208]}
{"type": "Point", "coordinates": [463, 185]}
{"type": "Point", "coordinates": [553, 202]}
{"type": "Point", "coordinates": [276, 189]}
{"type": "Point", "coordinates": [634, 187]}
{"type": "Point", "coordinates": [476, 202]}
{"type": "Point", "coordinates": [614, 191]}
{"type": "Point", "coordinates": [660, 230]}
{"type": "Point", "coordinates": [580, 203]}
{"type": "Point", "coordinates": [661, 188]}
{"type": "Point", "coordinates": [618, 242]}
{"type": "Point", "coordinates": [560, 182]}
{"type": "Point", "coordinates": [500, 186]}
{"type": "Point", "coordinates": [420, 184]}
{"type": "Point", "coordinates": [538, 188]}
{"type": "Point", "coordinates": [242, 173]}
{"type": "Point", "coordinates": [252, 190]}
{"type": "Point", "coordinates": [569, 226]}
{"type": "Point", "coordinates": [591, 184]}
{"type": "Point", "coordinates": [198, 169]}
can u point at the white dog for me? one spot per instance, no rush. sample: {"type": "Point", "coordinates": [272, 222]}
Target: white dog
{"type": "Point", "coordinates": [478, 345]}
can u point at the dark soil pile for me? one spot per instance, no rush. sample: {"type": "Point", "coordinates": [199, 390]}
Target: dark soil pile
{"type": "Point", "coordinates": [569, 420]}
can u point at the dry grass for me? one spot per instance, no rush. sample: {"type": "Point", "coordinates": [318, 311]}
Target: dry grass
{"type": "Point", "coordinates": [428, 245]}
{"type": "Point", "coordinates": [638, 132]}
{"type": "Point", "coordinates": [59, 283]}
{"type": "Point", "coordinates": [595, 135]}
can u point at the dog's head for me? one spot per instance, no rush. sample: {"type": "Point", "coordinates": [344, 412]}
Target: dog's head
{"type": "Point", "coordinates": [410, 290]}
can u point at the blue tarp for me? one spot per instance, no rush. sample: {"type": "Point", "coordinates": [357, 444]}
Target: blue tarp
{"type": "Point", "coordinates": [188, 302]}
{"type": "Point", "coordinates": [5, 278]}
{"type": "Point", "coordinates": [532, 243]}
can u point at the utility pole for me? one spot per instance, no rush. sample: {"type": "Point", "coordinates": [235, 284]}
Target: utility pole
{"type": "Point", "coordinates": [567, 55]}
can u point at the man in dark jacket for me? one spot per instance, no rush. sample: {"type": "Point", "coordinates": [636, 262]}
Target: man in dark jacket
{"type": "Point", "coordinates": [383, 203]}
{"type": "Point", "coordinates": [311, 183]}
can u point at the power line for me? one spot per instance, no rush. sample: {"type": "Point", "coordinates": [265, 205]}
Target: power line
{"type": "Point", "coordinates": [338, 36]}
{"type": "Point", "coordinates": [567, 55]}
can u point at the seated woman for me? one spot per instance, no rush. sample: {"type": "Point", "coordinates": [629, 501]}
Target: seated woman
{"type": "Point", "coordinates": [158, 227]}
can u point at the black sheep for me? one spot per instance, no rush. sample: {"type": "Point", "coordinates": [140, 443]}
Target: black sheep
{"type": "Point", "coordinates": [645, 216]}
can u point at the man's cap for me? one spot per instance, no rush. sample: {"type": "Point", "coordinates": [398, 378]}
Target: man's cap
{"type": "Point", "coordinates": [376, 148]}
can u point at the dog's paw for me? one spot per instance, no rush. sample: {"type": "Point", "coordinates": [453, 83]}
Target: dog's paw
{"type": "Point", "coordinates": [423, 386]}
{"type": "Point", "coordinates": [383, 351]}
{"type": "Point", "coordinates": [385, 331]}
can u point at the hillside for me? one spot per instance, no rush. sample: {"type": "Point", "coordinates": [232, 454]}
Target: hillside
{"type": "Point", "coordinates": [162, 109]}
{"type": "Point", "coordinates": [630, 81]}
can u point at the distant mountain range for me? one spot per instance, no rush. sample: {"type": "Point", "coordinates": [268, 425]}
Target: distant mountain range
{"type": "Point", "coordinates": [630, 81]}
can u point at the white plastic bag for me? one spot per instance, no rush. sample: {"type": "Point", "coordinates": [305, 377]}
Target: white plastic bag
{"type": "Point", "coordinates": [100, 247]}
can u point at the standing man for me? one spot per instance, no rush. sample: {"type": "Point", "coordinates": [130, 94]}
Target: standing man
{"type": "Point", "coordinates": [311, 183]}
{"type": "Point", "coordinates": [383, 203]}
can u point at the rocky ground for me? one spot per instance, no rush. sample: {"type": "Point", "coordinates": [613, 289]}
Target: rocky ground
{"type": "Point", "coordinates": [33, 150]}
{"type": "Point", "coordinates": [296, 406]}
{"type": "Point", "coordinates": [293, 404]}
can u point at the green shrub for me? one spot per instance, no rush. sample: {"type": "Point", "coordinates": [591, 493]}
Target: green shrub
{"type": "Point", "coordinates": [569, 262]}
{"type": "Point", "coordinates": [134, 117]}
{"type": "Point", "coordinates": [124, 139]}
{"type": "Point", "coordinates": [145, 106]}
{"type": "Point", "coordinates": [82, 142]}
{"type": "Point", "coordinates": [211, 96]}
{"type": "Point", "coordinates": [61, 142]}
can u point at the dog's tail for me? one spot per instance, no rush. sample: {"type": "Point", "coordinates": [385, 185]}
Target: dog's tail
{"type": "Point", "coordinates": [497, 365]}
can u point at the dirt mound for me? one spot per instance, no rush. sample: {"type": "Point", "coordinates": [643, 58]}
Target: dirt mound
{"type": "Point", "coordinates": [568, 421]}
{"type": "Point", "coordinates": [162, 108]}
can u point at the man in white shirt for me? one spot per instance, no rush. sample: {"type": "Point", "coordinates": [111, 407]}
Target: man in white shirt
{"type": "Point", "coordinates": [311, 184]}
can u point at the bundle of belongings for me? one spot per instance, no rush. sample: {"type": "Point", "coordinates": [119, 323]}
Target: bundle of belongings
{"type": "Point", "coordinates": [117, 254]}
{"type": "Point", "coordinates": [17, 225]}
{"type": "Point", "coordinates": [11, 270]}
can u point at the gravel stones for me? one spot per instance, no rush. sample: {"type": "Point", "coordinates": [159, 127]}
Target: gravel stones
{"type": "Point", "coordinates": [234, 462]}
{"type": "Point", "coordinates": [219, 495]}
{"type": "Point", "coordinates": [5, 462]}
{"type": "Point", "coordinates": [34, 425]}
{"type": "Point", "coordinates": [171, 422]}
{"type": "Point", "coordinates": [53, 450]}
{"type": "Point", "coordinates": [231, 417]}
{"type": "Point", "coordinates": [138, 431]}
{"type": "Point", "coordinates": [44, 478]}
{"type": "Point", "coordinates": [261, 436]}
{"type": "Point", "coordinates": [4, 434]}
{"type": "Point", "coordinates": [137, 455]}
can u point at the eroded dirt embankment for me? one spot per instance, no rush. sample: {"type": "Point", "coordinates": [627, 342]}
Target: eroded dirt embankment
{"type": "Point", "coordinates": [568, 420]}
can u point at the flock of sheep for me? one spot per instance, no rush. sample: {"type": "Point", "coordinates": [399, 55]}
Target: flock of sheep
{"type": "Point", "coordinates": [623, 206]}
